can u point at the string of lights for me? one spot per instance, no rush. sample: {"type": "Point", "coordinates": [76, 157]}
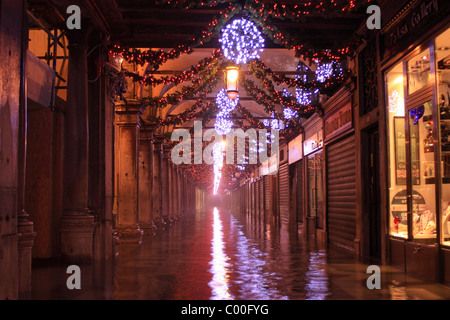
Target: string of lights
{"type": "Point", "coordinates": [183, 76]}
{"type": "Point", "coordinates": [199, 84]}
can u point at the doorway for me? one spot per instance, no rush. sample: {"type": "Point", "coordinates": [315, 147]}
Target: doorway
{"type": "Point", "coordinates": [372, 195]}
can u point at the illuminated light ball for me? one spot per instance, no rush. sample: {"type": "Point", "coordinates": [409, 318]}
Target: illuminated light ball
{"type": "Point", "coordinates": [289, 113]}
{"type": "Point", "coordinates": [241, 41]}
{"type": "Point", "coordinates": [303, 96]}
{"type": "Point", "coordinates": [223, 124]}
{"type": "Point", "coordinates": [224, 103]}
{"type": "Point", "coordinates": [324, 71]}
{"type": "Point", "coordinates": [327, 70]}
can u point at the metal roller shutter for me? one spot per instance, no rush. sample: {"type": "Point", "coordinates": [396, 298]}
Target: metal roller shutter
{"type": "Point", "coordinates": [266, 198]}
{"type": "Point", "coordinates": [341, 193]}
{"type": "Point", "coordinates": [258, 200]}
{"type": "Point", "coordinates": [252, 189]}
{"type": "Point", "coordinates": [261, 199]}
{"type": "Point", "coordinates": [283, 188]}
{"type": "Point", "coordinates": [299, 169]}
{"type": "Point", "coordinates": [249, 198]}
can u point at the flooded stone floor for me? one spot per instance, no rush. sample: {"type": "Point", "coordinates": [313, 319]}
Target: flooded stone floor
{"type": "Point", "coordinates": [217, 255]}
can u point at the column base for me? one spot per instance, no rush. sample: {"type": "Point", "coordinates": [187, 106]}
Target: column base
{"type": "Point", "coordinates": [168, 220]}
{"type": "Point", "coordinates": [26, 242]}
{"type": "Point", "coordinates": [159, 223]}
{"type": "Point", "coordinates": [129, 234]}
{"type": "Point", "coordinates": [149, 228]}
{"type": "Point", "coordinates": [77, 235]}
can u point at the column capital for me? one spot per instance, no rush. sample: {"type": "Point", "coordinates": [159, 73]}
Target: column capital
{"type": "Point", "coordinates": [166, 151]}
{"type": "Point", "coordinates": [159, 141]}
{"type": "Point", "coordinates": [79, 37]}
{"type": "Point", "coordinates": [146, 133]}
{"type": "Point", "coordinates": [129, 113]}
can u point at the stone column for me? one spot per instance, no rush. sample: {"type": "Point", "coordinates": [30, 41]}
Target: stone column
{"type": "Point", "coordinates": [180, 191]}
{"type": "Point", "coordinates": [156, 185]}
{"type": "Point", "coordinates": [170, 189]}
{"type": "Point", "coordinates": [24, 226]}
{"type": "Point", "coordinates": [165, 185]}
{"type": "Point", "coordinates": [77, 225]}
{"type": "Point", "coordinates": [145, 218]}
{"type": "Point", "coordinates": [176, 208]}
{"type": "Point", "coordinates": [127, 153]}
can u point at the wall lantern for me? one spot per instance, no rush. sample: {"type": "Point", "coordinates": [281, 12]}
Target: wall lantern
{"type": "Point", "coordinates": [231, 81]}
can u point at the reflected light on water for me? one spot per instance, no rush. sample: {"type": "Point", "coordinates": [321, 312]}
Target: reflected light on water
{"type": "Point", "coordinates": [316, 277]}
{"type": "Point", "coordinates": [255, 279]}
{"type": "Point", "coordinates": [219, 264]}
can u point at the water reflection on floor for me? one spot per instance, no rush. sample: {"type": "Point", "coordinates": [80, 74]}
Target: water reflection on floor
{"type": "Point", "coordinates": [216, 255]}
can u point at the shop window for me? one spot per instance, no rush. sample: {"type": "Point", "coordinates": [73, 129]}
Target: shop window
{"type": "Point", "coordinates": [397, 152]}
{"type": "Point", "coordinates": [442, 48]}
{"type": "Point", "coordinates": [422, 171]}
{"type": "Point", "coordinates": [419, 74]}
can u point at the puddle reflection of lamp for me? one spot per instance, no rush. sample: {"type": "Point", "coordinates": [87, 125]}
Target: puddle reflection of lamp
{"type": "Point", "coordinates": [231, 81]}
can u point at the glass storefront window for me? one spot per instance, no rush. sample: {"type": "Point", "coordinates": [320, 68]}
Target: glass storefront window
{"type": "Point", "coordinates": [419, 74]}
{"type": "Point", "coordinates": [423, 179]}
{"type": "Point", "coordinates": [398, 221]}
{"type": "Point", "coordinates": [442, 49]}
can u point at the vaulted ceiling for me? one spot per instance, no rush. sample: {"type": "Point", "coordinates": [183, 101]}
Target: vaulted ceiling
{"type": "Point", "coordinates": [168, 24]}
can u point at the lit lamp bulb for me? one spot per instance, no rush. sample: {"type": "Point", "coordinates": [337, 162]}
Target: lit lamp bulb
{"type": "Point", "coordinates": [231, 82]}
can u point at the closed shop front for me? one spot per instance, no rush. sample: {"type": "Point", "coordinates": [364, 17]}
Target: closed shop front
{"type": "Point", "coordinates": [267, 211]}
{"type": "Point", "coordinates": [341, 192]}
{"type": "Point", "coordinates": [283, 188]}
{"type": "Point", "coordinates": [261, 200]}
{"type": "Point", "coordinates": [340, 149]}
{"type": "Point", "coordinates": [299, 179]}
{"type": "Point", "coordinates": [313, 194]}
{"type": "Point", "coordinates": [283, 191]}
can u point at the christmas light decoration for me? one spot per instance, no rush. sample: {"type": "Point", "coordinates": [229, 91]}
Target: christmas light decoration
{"type": "Point", "coordinates": [241, 41]}
{"type": "Point", "coordinates": [324, 71]}
{"type": "Point", "coordinates": [289, 113]}
{"type": "Point", "coordinates": [225, 104]}
{"type": "Point", "coordinates": [203, 75]}
{"type": "Point", "coordinates": [327, 70]}
{"type": "Point", "coordinates": [186, 75]}
{"type": "Point", "coordinates": [223, 123]}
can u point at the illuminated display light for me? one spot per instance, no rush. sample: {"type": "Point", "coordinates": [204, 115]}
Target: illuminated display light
{"type": "Point", "coordinates": [396, 104]}
{"type": "Point", "coordinates": [225, 104]}
{"type": "Point", "coordinates": [241, 41]}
